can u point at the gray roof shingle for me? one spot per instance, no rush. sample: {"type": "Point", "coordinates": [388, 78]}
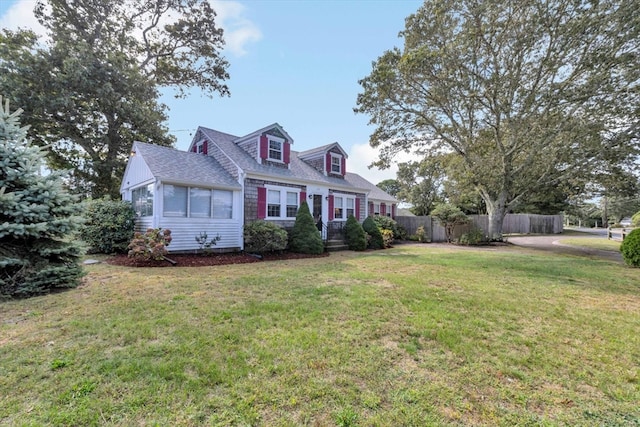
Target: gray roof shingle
{"type": "Point", "coordinates": [169, 164]}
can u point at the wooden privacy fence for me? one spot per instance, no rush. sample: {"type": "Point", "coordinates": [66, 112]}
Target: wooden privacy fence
{"type": "Point", "coordinates": [513, 224]}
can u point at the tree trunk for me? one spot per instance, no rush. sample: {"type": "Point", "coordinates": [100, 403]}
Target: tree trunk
{"type": "Point", "coordinates": [496, 210]}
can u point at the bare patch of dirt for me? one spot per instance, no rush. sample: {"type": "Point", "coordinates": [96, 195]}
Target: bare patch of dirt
{"type": "Point", "coordinates": [205, 260]}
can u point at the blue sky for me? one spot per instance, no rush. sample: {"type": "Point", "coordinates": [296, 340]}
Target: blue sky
{"type": "Point", "coordinates": [293, 62]}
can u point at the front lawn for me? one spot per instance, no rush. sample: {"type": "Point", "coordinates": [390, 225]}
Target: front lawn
{"type": "Point", "coordinates": [416, 335]}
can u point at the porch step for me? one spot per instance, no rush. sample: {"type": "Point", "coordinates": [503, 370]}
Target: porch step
{"type": "Point", "coordinates": [335, 245]}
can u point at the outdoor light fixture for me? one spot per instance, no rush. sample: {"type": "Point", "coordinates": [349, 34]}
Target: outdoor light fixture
{"type": "Point", "coordinates": [311, 196]}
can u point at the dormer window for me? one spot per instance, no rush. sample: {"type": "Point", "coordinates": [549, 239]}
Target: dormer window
{"type": "Point", "coordinates": [275, 148]}
{"type": "Point", "coordinates": [200, 147]}
{"type": "Point", "coordinates": [336, 163]}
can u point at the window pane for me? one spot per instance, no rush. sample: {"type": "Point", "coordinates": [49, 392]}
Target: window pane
{"type": "Point", "coordinates": [335, 164]}
{"type": "Point", "coordinates": [292, 204]}
{"type": "Point", "coordinates": [274, 197]}
{"type": "Point", "coordinates": [222, 204]}
{"type": "Point", "coordinates": [273, 210]}
{"type": "Point", "coordinates": [142, 200]}
{"type": "Point", "coordinates": [350, 207]}
{"type": "Point", "coordinates": [273, 203]}
{"type": "Point", "coordinates": [275, 150]}
{"type": "Point", "coordinates": [200, 202]}
{"type": "Point", "coordinates": [175, 200]}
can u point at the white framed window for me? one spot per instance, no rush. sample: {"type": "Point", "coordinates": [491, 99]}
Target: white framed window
{"type": "Point", "coordinates": [351, 210]}
{"type": "Point", "coordinates": [200, 147]}
{"type": "Point", "coordinates": [174, 200]}
{"type": "Point", "coordinates": [194, 202]}
{"type": "Point", "coordinates": [376, 208]}
{"type": "Point", "coordinates": [343, 206]}
{"type": "Point", "coordinates": [275, 148]}
{"type": "Point", "coordinates": [222, 204]}
{"type": "Point", "coordinates": [142, 200]}
{"type": "Point", "coordinates": [336, 163]}
{"type": "Point", "coordinates": [282, 202]}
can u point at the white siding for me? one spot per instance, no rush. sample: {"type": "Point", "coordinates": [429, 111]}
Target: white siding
{"type": "Point", "coordinates": [137, 173]}
{"type": "Point", "coordinates": [185, 230]}
{"type": "Point", "coordinates": [142, 223]}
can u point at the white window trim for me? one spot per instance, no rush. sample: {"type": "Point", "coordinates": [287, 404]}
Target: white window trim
{"type": "Point", "coordinates": [200, 146]}
{"type": "Point", "coordinates": [275, 139]}
{"type": "Point", "coordinates": [339, 157]}
{"type": "Point", "coordinates": [344, 198]}
{"type": "Point", "coordinates": [211, 203]}
{"type": "Point", "coordinates": [283, 201]}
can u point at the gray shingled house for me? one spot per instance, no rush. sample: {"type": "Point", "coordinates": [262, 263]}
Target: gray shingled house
{"type": "Point", "coordinates": [224, 181]}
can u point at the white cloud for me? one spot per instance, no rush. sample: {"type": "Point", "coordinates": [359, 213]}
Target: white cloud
{"type": "Point", "coordinates": [238, 30]}
{"type": "Point", "coordinates": [20, 15]}
{"type": "Point", "coordinates": [362, 155]}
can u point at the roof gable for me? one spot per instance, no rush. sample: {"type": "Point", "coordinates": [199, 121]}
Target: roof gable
{"type": "Point", "coordinates": [321, 151]}
{"type": "Point", "coordinates": [273, 129]}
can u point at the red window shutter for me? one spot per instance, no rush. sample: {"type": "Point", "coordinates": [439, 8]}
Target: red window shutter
{"type": "Point", "coordinates": [343, 165]}
{"type": "Point", "coordinates": [328, 163]}
{"type": "Point", "coordinates": [287, 152]}
{"type": "Point", "coordinates": [357, 209]}
{"type": "Point", "coordinates": [194, 148]}
{"type": "Point", "coordinates": [303, 196]}
{"type": "Point", "coordinates": [205, 147]}
{"type": "Point", "coordinates": [264, 147]}
{"type": "Point", "coordinates": [393, 211]}
{"type": "Point", "coordinates": [330, 207]}
{"type": "Point", "coordinates": [383, 209]}
{"type": "Point", "coordinates": [262, 203]}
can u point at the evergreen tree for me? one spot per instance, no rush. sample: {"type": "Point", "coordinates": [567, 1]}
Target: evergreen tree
{"type": "Point", "coordinates": [375, 235]}
{"type": "Point", "coordinates": [355, 236]}
{"type": "Point", "coordinates": [38, 217]}
{"type": "Point", "coordinates": [304, 238]}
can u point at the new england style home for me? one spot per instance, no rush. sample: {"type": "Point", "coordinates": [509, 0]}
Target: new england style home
{"type": "Point", "coordinates": [225, 181]}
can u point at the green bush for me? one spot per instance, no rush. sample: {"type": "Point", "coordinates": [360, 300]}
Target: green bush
{"type": "Point", "coordinates": [355, 235]}
{"type": "Point", "coordinates": [152, 245]}
{"type": "Point", "coordinates": [472, 238]}
{"type": "Point", "coordinates": [375, 236]}
{"type": "Point", "coordinates": [304, 237]}
{"type": "Point", "coordinates": [630, 248]}
{"type": "Point", "coordinates": [108, 225]}
{"type": "Point", "coordinates": [421, 234]}
{"type": "Point", "coordinates": [387, 238]}
{"type": "Point", "coordinates": [449, 216]}
{"type": "Point", "coordinates": [262, 236]}
{"type": "Point", "coordinates": [635, 220]}
{"type": "Point", "coordinates": [388, 223]}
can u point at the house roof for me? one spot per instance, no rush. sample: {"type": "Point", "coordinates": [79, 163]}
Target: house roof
{"type": "Point", "coordinates": [264, 129]}
{"type": "Point", "coordinates": [318, 151]}
{"type": "Point", "coordinates": [375, 193]}
{"type": "Point", "coordinates": [183, 167]}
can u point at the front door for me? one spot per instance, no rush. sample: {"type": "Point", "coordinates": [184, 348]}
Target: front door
{"type": "Point", "coordinates": [317, 214]}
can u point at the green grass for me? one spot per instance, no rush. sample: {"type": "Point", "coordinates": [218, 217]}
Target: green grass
{"type": "Point", "coordinates": [409, 336]}
{"type": "Point", "coordinates": [600, 243]}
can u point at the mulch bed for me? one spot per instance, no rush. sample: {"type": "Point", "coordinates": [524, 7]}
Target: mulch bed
{"type": "Point", "coordinates": [201, 260]}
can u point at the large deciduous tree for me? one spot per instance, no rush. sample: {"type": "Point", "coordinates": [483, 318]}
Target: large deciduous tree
{"type": "Point", "coordinates": [93, 88]}
{"type": "Point", "coordinates": [525, 92]}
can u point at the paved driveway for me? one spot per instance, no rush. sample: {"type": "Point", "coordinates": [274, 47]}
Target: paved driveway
{"type": "Point", "coordinates": [553, 243]}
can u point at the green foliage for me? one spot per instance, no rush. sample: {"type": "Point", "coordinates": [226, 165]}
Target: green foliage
{"type": "Point", "coordinates": [263, 236]}
{"type": "Point", "coordinates": [387, 238]}
{"type": "Point", "coordinates": [630, 248]}
{"type": "Point", "coordinates": [205, 243]}
{"type": "Point", "coordinates": [516, 125]}
{"type": "Point", "coordinates": [388, 223]}
{"type": "Point", "coordinates": [152, 245]}
{"type": "Point", "coordinates": [304, 237]}
{"type": "Point", "coordinates": [108, 225]}
{"type": "Point", "coordinates": [635, 220]}
{"type": "Point", "coordinates": [96, 87]}
{"type": "Point", "coordinates": [38, 218]}
{"type": "Point", "coordinates": [449, 216]}
{"type": "Point", "coordinates": [355, 235]}
{"type": "Point", "coordinates": [421, 234]}
{"type": "Point", "coordinates": [472, 238]}
{"type": "Point", "coordinates": [375, 236]}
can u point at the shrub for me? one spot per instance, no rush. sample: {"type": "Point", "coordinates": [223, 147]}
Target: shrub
{"type": "Point", "coordinates": [635, 220]}
{"type": "Point", "coordinates": [205, 243]}
{"type": "Point", "coordinates": [388, 223]}
{"type": "Point", "coordinates": [387, 238]}
{"type": "Point", "coordinates": [304, 237]}
{"type": "Point", "coordinates": [108, 225]}
{"type": "Point", "coordinates": [449, 216]}
{"type": "Point", "coordinates": [39, 251]}
{"type": "Point", "coordinates": [370, 227]}
{"type": "Point", "coordinates": [355, 235]}
{"type": "Point", "coordinates": [421, 234]}
{"type": "Point", "coordinates": [473, 237]}
{"type": "Point", "coordinates": [150, 245]}
{"type": "Point", "coordinates": [630, 248]}
{"type": "Point", "coordinates": [262, 236]}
